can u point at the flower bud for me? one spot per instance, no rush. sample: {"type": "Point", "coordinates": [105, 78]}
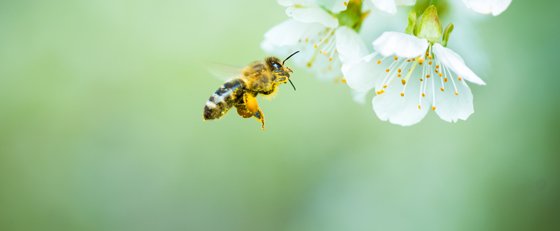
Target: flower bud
{"type": "Point", "coordinates": [428, 26]}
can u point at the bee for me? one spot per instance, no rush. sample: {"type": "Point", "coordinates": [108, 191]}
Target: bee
{"type": "Point", "coordinates": [241, 92]}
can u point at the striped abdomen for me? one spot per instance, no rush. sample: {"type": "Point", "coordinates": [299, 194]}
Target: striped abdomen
{"type": "Point", "coordinates": [223, 99]}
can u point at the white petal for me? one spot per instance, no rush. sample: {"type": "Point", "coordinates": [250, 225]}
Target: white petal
{"type": "Point", "coordinates": [312, 15]}
{"type": "Point", "coordinates": [349, 45]}
{"type": "Point", "coordinates": [362, 75]}
{"type": "Point", "coordinates": [321, 66]}
{"type": "Point", "coordinates": [451, 107]}
{"type": "Point", "coordinates": [494, 7]}
{"type": "Point", "coordinates": [335, 6]}
{"type": "Point", "coordinates": [400, 44]}
{"type": "Point", "coordinates": [391, 106]}
{"type": "Point", "coordinates": [453, 61]}
{"type": "Point", "coordinates": [286, 33]}
{"type": "Point", "coordinates": [388, 6]}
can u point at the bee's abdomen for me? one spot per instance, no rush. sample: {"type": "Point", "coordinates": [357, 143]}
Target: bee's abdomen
{"type": "Point", "coordinates": [223, 99]}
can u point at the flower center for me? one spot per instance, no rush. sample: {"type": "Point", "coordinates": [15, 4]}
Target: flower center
{"type": "Point", "coordinates": [426, 69]}
{"type": "Point", "coordinates": [324, 47]}
{"type": "Point", "coordinates": [324, 42]}
{"type": "Point", "coordinates": [353, 16]}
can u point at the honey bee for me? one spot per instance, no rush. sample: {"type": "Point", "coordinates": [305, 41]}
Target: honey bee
{"type": "Point", "coordinates": [241, 92]}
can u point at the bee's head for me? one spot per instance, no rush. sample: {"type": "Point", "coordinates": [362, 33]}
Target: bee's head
{"type": "Point", "coordinates": [281, 72]}
{"type": "Point", "coordinates": [275, 65]}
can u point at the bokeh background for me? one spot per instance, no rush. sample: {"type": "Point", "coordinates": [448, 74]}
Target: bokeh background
{"type": "Point", "coordinates": [100, 129]}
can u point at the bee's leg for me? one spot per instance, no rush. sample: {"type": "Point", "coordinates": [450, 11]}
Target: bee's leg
{"type": "Point", "coordinates": [253, 107]}
{"type": "Point", "coordinates": [242, 108]}
{"type": "Point", "coordinates": [243, 111]}
{"type": "Point", "coordinates": [260, 116]}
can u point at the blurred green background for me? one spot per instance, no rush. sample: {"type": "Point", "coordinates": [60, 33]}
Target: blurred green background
{"type": "Point", "coordinates": [101, 129]}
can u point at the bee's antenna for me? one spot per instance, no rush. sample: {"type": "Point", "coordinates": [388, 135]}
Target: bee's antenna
{"type": "Point", "coordinates": [292, 84]}
{"type": "Point", "coordinates": [289, 57]}
{"type": "Point", "coordinates": [283, 65]}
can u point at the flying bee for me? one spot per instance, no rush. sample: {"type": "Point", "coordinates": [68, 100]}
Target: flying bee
{"type": "Point", "coordinates": [241, 92]}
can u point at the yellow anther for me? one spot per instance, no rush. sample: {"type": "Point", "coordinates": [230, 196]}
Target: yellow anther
{"type": "Point", "coordinates": [385, 86]}
{"type": "Point", "coordinates": [459, 78]}
{"type": "Point", "coordinates": [419, 107]}
{"type": "Point", "coordinates": [428, 76]}
{"type": "Point", "coordinates": [315, 46]}
{"type": "Point", "coordinates": [343, 80]}
{"type": "Point", "coordinates": [379, 61]}
{"type": "Point", "coordinates": [395, 58]}
{"type": "Point", "coordinates": [402, 94]}
{"type": "Point", "coordinates": [430, 63]}
{"type": "Point", "coordinates": [421, 80]}
{"type": "Point", "coordinates": [399, 70]}
{"type": "Point", "coordinates": [437, 66]}
{"type": "Point", "coordinates": [456, 93]}
{"type": "Point", "coordinates": [403, 81]}
{"type": "Point", "coordinates": [309, 64]}
{"type": "Point", "coordinates": [434, 108]}
{"type": "Point", "coordinates": [330, 59]}
{"type": "Point", "coordinates": [441, 75]}
{"type": "Point", "coordinates": [423, 94]}
{"type": "Point", "coordinates": [420, 60]}
{"type": "Point", "coordinates": [442, 89]}
{"type": "Point", "coordinates": [399, 75]}
{"type": "Point", "coordinates": [387, 70]}
{"type": "Point", "coordinates": [445, 80]}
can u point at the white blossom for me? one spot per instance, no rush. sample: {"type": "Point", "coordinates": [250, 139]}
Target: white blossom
{"type": "Point", "coordinates": [389, 6]}
{"type": "Point", "coordinates": [323, 42]}
{"type": "Point", "coordinates": [494, 7]}
{"type": "Point", "coordinates": [411, 76]}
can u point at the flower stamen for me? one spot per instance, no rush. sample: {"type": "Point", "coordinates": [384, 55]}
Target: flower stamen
{"type": "Point", "coordinates": [433, 95]}
{"type": "Point", "coordinates": [456, 93]}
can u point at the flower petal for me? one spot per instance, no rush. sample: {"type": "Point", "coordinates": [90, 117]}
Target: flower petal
{"type": "Point", "coordinates": [312, 15]}
{"type": "Point", "coordinates": [388, 6]}
{"type": "Point", "coordinates": [349, 45]}
{"type": "Point", "coordinates": [400, 44]}
{"type": "Point", "coordinates": [403, 110]}
{"type": "Point", "coordinates": [361, 75]}
{"type": "Point", "coordinates": [494, 7]}
{"type": "Point", "coordinates": [335, 6]}
{"type": "Point", "coordinates": [452, 60]}
{"type": "Point", "coordinates": [286, 33]}
{"type": "Point", "coordinates": [451, 107]}
{"type": "Point", "coordinates": [319, 64]}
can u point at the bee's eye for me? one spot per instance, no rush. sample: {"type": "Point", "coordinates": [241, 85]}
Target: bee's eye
{"type": "Point", "coordinates": [276, 65]}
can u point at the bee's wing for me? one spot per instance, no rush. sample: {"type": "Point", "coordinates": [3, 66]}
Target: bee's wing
{"type": "Point", "coordinates": [224, 72]}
